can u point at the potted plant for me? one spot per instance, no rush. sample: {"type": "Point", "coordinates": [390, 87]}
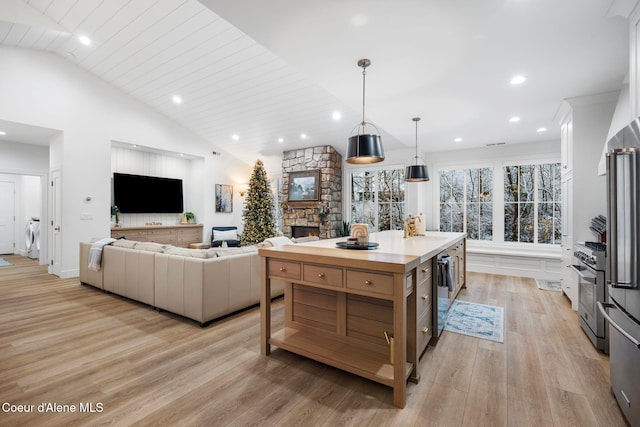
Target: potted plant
{"type": "Point", "coordinates": [344, 229]}
{"type": "Point", "coordinates": [191, 218]}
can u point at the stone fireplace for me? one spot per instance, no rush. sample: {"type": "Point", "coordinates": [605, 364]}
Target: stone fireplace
{"type": "Point", "coordinates": [324, 214]}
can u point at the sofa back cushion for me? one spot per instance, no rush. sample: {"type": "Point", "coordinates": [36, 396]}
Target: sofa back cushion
{"type": "Point", "coordinates": [150, 247]}
{"type": "Point", "coordinates": [235, 251]}
{"type": "Point", "coordinates": [193, 253]}
{"type": "Point", "coordinates": [123, 243]}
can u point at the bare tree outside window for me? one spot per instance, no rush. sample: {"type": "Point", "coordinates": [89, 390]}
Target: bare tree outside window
{"type": "Point", "coordinates": [532, 203]}
{"type": "Point", "coordinates": [377, 199]}
{"type": "Point", "coordinates": [466, 202]}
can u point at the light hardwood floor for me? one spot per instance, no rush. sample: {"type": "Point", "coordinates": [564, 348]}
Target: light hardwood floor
{"type": "Point", "coordinates": [67, 343]}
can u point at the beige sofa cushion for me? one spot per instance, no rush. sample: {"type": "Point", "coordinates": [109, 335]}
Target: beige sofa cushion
{"type": "Point", "coordinates": [150, 247]}
{"type": "Point", "coordinates": [193, 253]}
{"type": "Point", "coordinates": [235, 251]}
{"type": "Point", "coordinates": [123, 243]}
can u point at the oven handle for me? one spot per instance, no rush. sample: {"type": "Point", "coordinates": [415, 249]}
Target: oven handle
{"type": "Point", "coordinates": [612, 322]}
{"type": "Point", "coordinates": [590, 279]}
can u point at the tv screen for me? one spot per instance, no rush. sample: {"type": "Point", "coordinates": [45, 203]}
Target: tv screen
{"type": "Point", "coordinates": [147, 194]}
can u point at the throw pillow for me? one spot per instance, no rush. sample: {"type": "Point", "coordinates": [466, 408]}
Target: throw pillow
{"type": "Point", "coordinates": [225, 235]}
{"type": "Point", "coordinates": [279, 241]}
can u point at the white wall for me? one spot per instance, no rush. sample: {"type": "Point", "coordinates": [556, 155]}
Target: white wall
{"type": "Point", "coordinates": [45, 90]}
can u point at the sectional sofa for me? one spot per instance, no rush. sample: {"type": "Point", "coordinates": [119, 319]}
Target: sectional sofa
{"type": "Point", "coordinates": [200, 284]}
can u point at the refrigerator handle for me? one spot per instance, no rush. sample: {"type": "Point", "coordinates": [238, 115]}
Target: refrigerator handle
{"type": "Point", "coordinates": [612, 322]}
{"type": "Point", "coordinates": [612, 220]}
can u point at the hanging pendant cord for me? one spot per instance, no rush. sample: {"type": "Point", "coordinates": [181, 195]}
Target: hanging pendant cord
{"type": "Point", "coordinates": [416, 140]}
{"type": "Point", "coordinates": [364, 73]}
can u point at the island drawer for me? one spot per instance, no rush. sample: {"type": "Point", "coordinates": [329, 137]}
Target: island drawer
{"type": "Point", "coordinates": [372, 282]}
{"type": "Point", "coordinates": [284, 269]}
{"type": "Point", "coordinates": [425, 332]}
{"type": "Point", "coordinates": [424, 294]}
{"type": "Point", "coordinates": [424, 271]}
{"type": "Point", "coordinates": [322, 275]}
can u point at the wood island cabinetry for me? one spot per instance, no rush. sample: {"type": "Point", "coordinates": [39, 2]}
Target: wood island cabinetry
{"type": "Point", "coordinates": [341, 305]}
{"type": "Point", "coordinates": [176, 235]}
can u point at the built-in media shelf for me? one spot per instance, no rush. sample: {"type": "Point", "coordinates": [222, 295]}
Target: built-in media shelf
{"type": "Point", "coordinates": [177, 235]}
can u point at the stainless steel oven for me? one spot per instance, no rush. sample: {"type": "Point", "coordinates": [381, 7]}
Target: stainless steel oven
{"type": "Point", "coordinates": [591, 289]}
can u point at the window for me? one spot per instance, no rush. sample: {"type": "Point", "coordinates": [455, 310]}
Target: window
{"type": "Point", "coordinates": [377, 199]}
{"type": "Point", "coordinates": [532, 203]}
{"type": "Point", "coordinates": [466, 202]}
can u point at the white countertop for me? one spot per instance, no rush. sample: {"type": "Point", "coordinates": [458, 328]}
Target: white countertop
{"type": "Point", "coordinates": [392, 249]}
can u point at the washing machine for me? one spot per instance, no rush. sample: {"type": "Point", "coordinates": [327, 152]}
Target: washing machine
{"type": "Point", "coordinates": [32, 238]}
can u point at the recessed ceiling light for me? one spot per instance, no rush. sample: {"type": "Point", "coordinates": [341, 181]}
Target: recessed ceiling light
{"type": "Point", "coordinates": [181, 154]}
{"type": "Point", "coordinates": [336, 115]}
{"type": "Point", "coordinates": [84, 40]}
{"type": "Point", "coordinates": [514, 119]}
{"type": "Point", "coordinates": [540, 130]}
{"type": "Point", "coordinates": [134, 145]}
{"type": "Point", "coordinates": [303, 135]}
{"type": "Point", "coordinates": [2, 132]}
{"type": "Point", "coordinates": [177, 99]}
{"type": "Point", "coordinates": [518, 79]}
{"type": "Point", "coordinates": [280, 140]}
{"type": "Point", "coordinates": [235, 137]}
{"type": "Point", "coordinates": [458, 140]}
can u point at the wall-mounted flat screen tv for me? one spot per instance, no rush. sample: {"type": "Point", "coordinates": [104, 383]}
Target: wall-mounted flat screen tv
{"type": "Point", "coordinates": [147, 194]}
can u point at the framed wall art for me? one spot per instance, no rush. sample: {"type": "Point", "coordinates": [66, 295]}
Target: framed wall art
{"type": "Point", "coordinates": [304, 186]}
{"type": "Point", "coordinates": [224, 198]}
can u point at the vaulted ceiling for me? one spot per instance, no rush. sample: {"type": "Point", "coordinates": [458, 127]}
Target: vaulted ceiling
{"type": "Point", "coordinates": [251, 72]}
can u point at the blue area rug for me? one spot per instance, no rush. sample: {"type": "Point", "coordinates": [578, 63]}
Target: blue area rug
{"type": "Point", "coordinates": [476, 320]}
{"type": "Point", "coordinates": [4, 262]}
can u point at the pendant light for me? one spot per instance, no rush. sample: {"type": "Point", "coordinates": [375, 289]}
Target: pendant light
{"type": "Point", "coordinates": [364, 148]}
{"type": "Point", "coordinates": [417, 172]}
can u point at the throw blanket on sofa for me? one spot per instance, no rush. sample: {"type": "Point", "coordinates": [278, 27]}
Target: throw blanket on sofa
{"type": "Point", "coordinates": [95, 253]}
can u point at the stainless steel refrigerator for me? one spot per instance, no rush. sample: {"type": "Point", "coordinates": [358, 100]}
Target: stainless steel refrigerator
{"type": "Point", "coordinates": [622, 311]}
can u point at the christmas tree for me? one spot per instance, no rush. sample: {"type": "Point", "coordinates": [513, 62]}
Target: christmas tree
{"type": "Point", "coordinates": [259, 223]}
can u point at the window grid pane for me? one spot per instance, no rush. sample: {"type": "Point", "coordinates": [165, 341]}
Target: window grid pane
{"type": "Point", "coordinates": [466, 202]}
{"type": "Point", "coordinates": [377, 199]}
{"type": "Point", "coordinates": [532, 203]}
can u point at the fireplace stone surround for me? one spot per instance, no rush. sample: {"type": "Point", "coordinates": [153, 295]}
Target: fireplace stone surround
{"type": "Point", "coordinates": [325, 213]}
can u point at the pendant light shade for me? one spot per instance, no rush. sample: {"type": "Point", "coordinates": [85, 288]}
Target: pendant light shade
{"type": "Point", "coordinates": [417, 172]}
{"type": "Point", "coordinates": [364, 148]}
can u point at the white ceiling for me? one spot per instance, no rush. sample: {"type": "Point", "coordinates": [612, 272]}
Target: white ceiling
{"type": "Point", "coordinates": [268, 70]}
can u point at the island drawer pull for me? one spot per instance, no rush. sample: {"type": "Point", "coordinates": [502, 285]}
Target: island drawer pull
{"type": "Point", "coordinates": [321, 275]}
{"type": "Point", "coordinates": [425, 296]}
{"type": "Point", "coordinates": [283, 268]}
{"type": "Point", "coordinates": [425, 330]}
{"type": "Point", "coordinates": [368, 282]}
{"type": "Point", "coordinates": [424, 270]}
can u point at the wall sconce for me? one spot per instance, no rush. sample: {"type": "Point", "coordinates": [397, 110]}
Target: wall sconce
{"type": "Point", "coordinates": [242, 189]}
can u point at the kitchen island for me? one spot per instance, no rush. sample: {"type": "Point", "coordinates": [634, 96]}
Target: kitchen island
{"type": "Point", "coordinates": [368, 312]}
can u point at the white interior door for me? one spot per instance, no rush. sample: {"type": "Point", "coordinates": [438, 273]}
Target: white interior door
{"type": "Point", "coordinates": [7, 217]}
{"type": "Point", "coordinates": [55, 230]}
